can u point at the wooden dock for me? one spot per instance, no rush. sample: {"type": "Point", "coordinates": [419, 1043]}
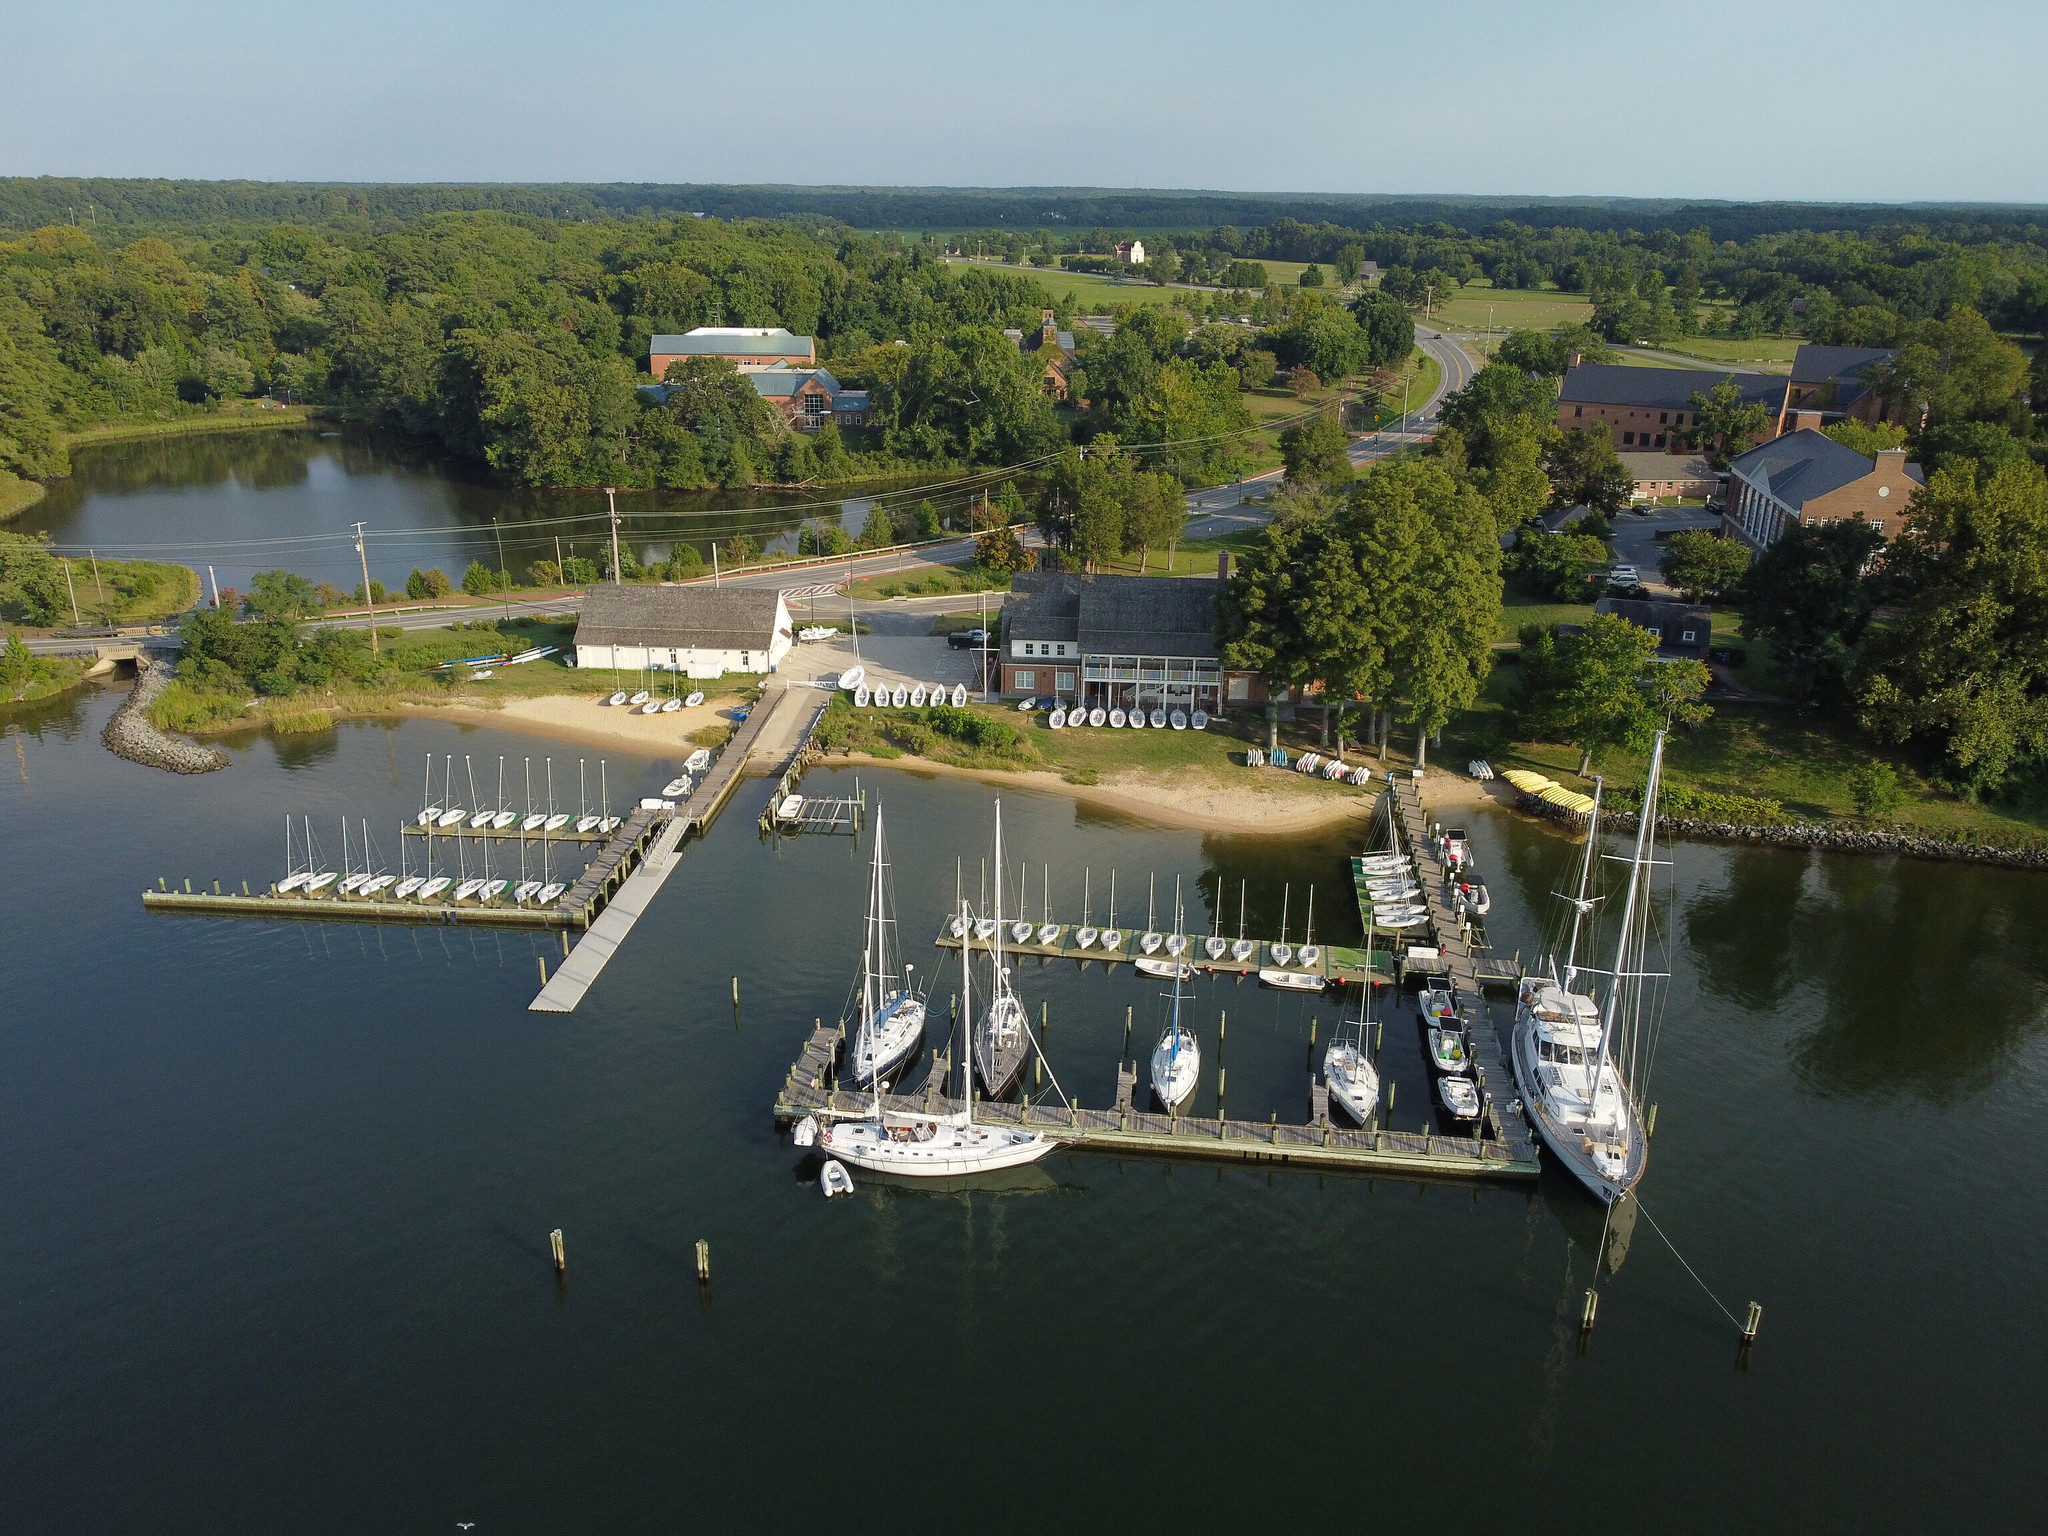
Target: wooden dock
{"type": "Point", "coordinates": [1335, 964]}
{"type": "Point", "coordinates": [1126, 1130]}
{"type": "Point", "coordinates": [322, 908]}
{"type": "Point", "coordinates": [1456, 958]}
{"type": "Point", "coordinates": [567, 834]}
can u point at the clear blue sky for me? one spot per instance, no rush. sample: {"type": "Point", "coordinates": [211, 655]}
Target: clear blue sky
{"type": "Point", "coordinates": [1875, 100]}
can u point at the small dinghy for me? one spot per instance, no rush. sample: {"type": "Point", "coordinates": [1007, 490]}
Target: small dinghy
{"type": "Point", "coordinates": [556, 822]}
{"type": "Point", "coordinates": [1048, 933]}
{"type": "Point", "coordinates": [1214, 947]}
{"type": "Point", "coordinates": [492, 890]}
{"type": "Point", "coordinates": [959, 695]}
{"type": "Point", "coordinates": [1086, 936]}
{"type": "Point", "coordinates": [860, 697]}
{"type": "Point", "coordinates": [551, 893]}
{"type": "Point", "coordinates": [1149, 965]}
{"type": "Point", "coordinates": [957, 927]}
{"type": "Point", "coordinates": [1199, 719]}
{"type": "Point", "coordinates": [849, 680]}
{"type": "Point", "coordinates": [1242, 949]}
{"type": "Point", "coordinates": [608, 824]}
{"type": "Point", "coordinates": [503, 820]}
{"type": "Point", "coordinates": [319, 882]}
{"type": "Point", "coordinates": [834, 1179]}
{"type": "Point", "coordinates": [697, 761]}
{"type": "Point", "coordinates": [1135, 719]}
{"type": "Point", "coordinates": [917, 697]}
{"type": "Point", "coordinates": [1311, 955]}
{"type": "Point", "coordinates": [534, 822]}
{"type": "Point", "coordinates": [651, 707]}
{"type": "Point", "coordinates": [586, 823]}
{"type": "Point", "coordinates": [1403, 922]}
{"type": "Point", "coordinates": [480, 820]}
{"type": "Point", "coordinates": [1149, 943]}
{"type": "Point", "coordinates": [805, 1133]}
{"type": "Point", "coordinates": [1025, 706]}
{"type": "Point", "coordinates": [409, 886]}
{"type": "Point", "coordinates": [452, 818]}
{"type": "Point", "coordinates": [435, 887]}
{"type": "Point", "coordinates": [1176, 943]}
{"type": "Point", "coordinates": [1459, 1096]}
{"type": "Point", "coordinates": [617, 698]}
{"type": "Point", "coordinates": [524, 892]}
{"type": "Point", "coordinates": [467, 889]}
{"type": "Point", "coordinates": [670, 706]}
{"type": "Point", "coordinates": [1291, 981]}
{"type": "Point", "coordinates": [984, 928]}
{"type": "Point", "coordinates": [676, 787]}
{"type": "Point", "coordinates": [1283, 954]}
{"type": "Point", "coordinates": [790, 808]}
{"type": "Point", "coordinates": [349, 883]}
{"type": "Point", "coordinates": [1475, 899]}
{"type": "Point", "coordinates": [1112, 938]}
{"type": "Point", "coordinates": [638, 698]}
{"type": "Point", "coordinates": [372, 887]}
{"type": "Point", "coordinates": [1020, 933]}
{"type": "Point", "coordinates": [694, 699]}
{"type": "Point", "coordinates": [1178, 720]}
{"type": "Point", "coordinates": [900, 697]}
{"type": "Point", "coordinates": [1157, 719]}
{"type": "Point", "coordinates": [1116, 718]}
{"type": "Point", "coordinates": [1057, 720]}
{"type": "Point", "coordinates": [937, 694]}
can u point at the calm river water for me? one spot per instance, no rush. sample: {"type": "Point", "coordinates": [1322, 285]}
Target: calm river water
{"type": "Point", "coordinates": [275, 1196]}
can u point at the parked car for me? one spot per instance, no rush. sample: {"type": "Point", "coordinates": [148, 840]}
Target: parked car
{"type": "Point", "coordinates": [1624, 576]}
{"type": "Point", "coordinates": [967, 639]}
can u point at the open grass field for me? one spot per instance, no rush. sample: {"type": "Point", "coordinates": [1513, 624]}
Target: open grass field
{"type": "Point", "coordinates": [1513, 309]}
{"type": "Point", "coordinates": [242, 416]}
{"type": "Point", "coordinates": [1772, 353]}
{"type": "Point", "coordinates": [17, 495]}
{"type": "Point", "coordinates": [121, 592]}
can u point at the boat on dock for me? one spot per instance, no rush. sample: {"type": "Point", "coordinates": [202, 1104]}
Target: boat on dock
{"type": "Point", "coordinates": [1177, 1058]}
{"type": "Point", "coordinates": [698, 760]}
{"type": "Point", "coordinates": [1575, 1056]}
{"type": "Point", "coordinates": [1348, 1070]}
{"type": "Point", "coordinates": [1460, 1098]}
{"type": "Point", "coordinates": [891, 1016]}
{"type": "Point", "coordinates": [1002, 1038]}
{"type": "Point", "coordinates": [434, 887]}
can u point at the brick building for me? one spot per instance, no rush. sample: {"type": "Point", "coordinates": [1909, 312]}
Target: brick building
{"type": "Point", "coordinates": [755, 344]}
{"type": "Point", "coordinates": [1053, 347]}
{"type": "Point", "coordinates": [807, 398]}
{"type": "Point", "coordinates": [1806, 477]}
{"type": "Point", "coordinates": [1840, 383]}
{"type": "Point", "coordinates": [1649, 409]}
{"type": "Point", "coordinates": [1120, 642]}
{"type": "Point", "coordinates": [1665, 474]}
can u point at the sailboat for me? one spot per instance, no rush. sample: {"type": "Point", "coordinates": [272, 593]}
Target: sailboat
{"type": "Point", "coordinates": [1177, 1058]}
{"type": "Point", "coordinates": [942, 1146]}
{"type": "Point", "coordinates": [1572, 1056]}
{"type": "Point", "coordinates": [1348, 1070]}
{"type": "Point", "coordinates": [1002, 1040]}
{"type": "Point", "coordinates": [891, 1028]}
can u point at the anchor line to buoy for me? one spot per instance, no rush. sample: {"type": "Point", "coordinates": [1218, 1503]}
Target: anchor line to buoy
{"type": "Point", "coordinates": [1681, 1259]}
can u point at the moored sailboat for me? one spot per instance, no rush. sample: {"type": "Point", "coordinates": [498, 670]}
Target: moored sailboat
{"type": "Point", "coordinates": [891, 1027]}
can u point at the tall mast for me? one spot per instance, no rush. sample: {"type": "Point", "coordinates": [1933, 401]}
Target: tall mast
{"type": "Point", "coordinates": [867, 953]}
{"type": "Point", "coordinates": [1645, 821]}
{"type": "Point", "coordinates": [1571, 955]}
{"type": "Point", "coordinates": [962, 1036]}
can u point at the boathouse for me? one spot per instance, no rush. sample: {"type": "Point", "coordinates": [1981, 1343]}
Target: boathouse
{"type": "Point", "coordinates": [700, 631]}
{"type": "Point", "coordinates": [1116, 641]}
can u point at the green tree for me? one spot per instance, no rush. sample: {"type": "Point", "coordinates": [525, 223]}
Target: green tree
{"type": "Point", "coordinates": [999, 551]}
{"type": "Point", "coordinates": [1585, 470]}
{"type": "Point", "coordinates": [1316, 451]}
{"type": "Point", "coordinates": [280, 595]}
{"type": "Point", "coordinates": [27, 565]}
{"type": "Point", "coordinates": [1604, 687]}
{"type": "Point", "coordinates": [1958, 369]}
{"type": "Point", "coordinates": [1551, 354]}
{"type": "Point", "coordinates": [480, 580]}
{"type": "Point", "coordinates": [969, 396]}
{"type": "Point", "coordinates": [1876, 790]}
{"type": "Point", "coordinates": [1703, 567]}
{"type": "Point", "coordinates": [1153, 513]}
{"type": "Point", "coordinates": [1559, 567]}
{"type": "Point", "coordinates": [1987, 443]}
{"type": "Point", "coordinates": [1867, 438]}
{"type": "Point", "coordinates": [877, 532]}
{"type": "Point", "coordinates": [925, 522]}
{"type": "Point", "coordinates": [711, 400]}
{"type": "Point", "coordinates": [1724, 423]}
{"type": "Point", "coordinates": [1810, 598]}
{"type": "Point", "coordinates": [416, 584]}
{"type": "Point", "coordinates": [1350, 261]}
{"type": "Point", "coordinates": [1259, 617]}
{"type": "Point", "coordinates": [1325, 340]}
{"type": "Point", "coordinates": [1311, 276]}
{"type": "Point", "coordinates": [1389, 328]}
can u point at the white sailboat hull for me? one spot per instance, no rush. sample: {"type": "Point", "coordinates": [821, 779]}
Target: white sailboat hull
{"type": "Point", "coordinates": [947, 1150]}
{"type": "Point", "coordinates": [1597, 1165]}
{"type": "Point", "coordinates": [1353, 1082]}
{"type": "Point", "coordinates": [1174, 1074]}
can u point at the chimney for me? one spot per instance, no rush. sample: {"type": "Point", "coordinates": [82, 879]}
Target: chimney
{"type": "Point", "coordinates": [1575, 359]}
{"type": "Point", "coordinates": [1223, 565]}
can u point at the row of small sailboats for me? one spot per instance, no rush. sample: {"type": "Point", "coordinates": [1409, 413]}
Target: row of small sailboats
{"type": "Point", "coordinates": [312, 880]}
{"type": "Point", "coordinates": [1063, 718]}
{"type": "Point", "coordinates": [901, 696]}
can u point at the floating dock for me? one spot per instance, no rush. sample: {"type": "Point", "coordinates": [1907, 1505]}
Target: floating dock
{"type": "Point", "coordinates": [1334, 964]}
{"type": "Point", "coordinates": [1318, 1143]}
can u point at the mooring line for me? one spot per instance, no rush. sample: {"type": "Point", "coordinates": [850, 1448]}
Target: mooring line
{"type": "Point", "coordinates": [1681, 1259]}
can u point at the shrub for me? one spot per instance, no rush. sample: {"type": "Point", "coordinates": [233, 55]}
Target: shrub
{"type": "Point", "coordinates": [1689, 804]}
{"type": "Point", "coordinates": [1877, 792]}
{"type": "Point", "coordinates": [302, 721]}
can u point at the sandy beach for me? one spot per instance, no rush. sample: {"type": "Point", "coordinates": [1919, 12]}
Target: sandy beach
{"type": "Point", "coordinates": [573, 717]}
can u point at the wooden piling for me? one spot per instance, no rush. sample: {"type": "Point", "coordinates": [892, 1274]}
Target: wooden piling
{"type": "Point", "coordinates": [1650, 1130]}
{"type": "Point", "coordinates": [543, 959]}
{"type": "Point", "coordinates": [1592, 1309]}
{"type": "Point", "coordinates": [561, 1253]}
{"type": "Point", "coordinates": [703, 1262]}
{"type": "Point", "coordinates": [1754, 1321]}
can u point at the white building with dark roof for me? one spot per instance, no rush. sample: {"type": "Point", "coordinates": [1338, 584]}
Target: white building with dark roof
{"type": "Point", "coordinates": [700, 631]}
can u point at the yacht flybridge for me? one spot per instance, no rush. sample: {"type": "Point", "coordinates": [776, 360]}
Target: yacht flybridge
{"type": "Point", "coordinates": [1578, 1057]}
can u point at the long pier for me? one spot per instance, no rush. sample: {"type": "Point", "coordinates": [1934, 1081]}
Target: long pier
{"type": "Point", "coordinates": [1334, 963]}
{"type": "Point", "coordinates": [1124, 1129]}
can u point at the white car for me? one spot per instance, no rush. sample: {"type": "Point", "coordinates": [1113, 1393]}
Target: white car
{"type": "Point", "coordinates": [1623, 576]}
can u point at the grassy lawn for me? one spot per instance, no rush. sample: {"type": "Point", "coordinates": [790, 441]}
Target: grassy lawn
{"type": "Point", "coordinates": [1092, 294]}
{"type": "Point", "coordinates": [123, 592]}
{"type": "Point", "coordinates": [1517, 610]}
{"type": "Point", "coordinates": [924, 581]}
{"type": "Point", "coordinates": [1771, 352]}
{"type": "Point", "coordinates": [239, 417]}
{"type": "Point", "coordinates": [1192, 557]}
{"type": "Point", "coordinates": [17, 495]}
{"type": "Point", "coordinates": [1514, 309]}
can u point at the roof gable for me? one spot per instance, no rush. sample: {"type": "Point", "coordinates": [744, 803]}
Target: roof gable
{"type": "Point", "coordinates": [1801, 465]}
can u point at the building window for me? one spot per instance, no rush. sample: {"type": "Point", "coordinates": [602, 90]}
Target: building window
{"type": "Point", "coordinates": [1063, 682]}
{"type": "Point", "coordinates": [1578, 410]}
{"type": "Point", "coordinates": [1655, 632]}
{"type": "Point", "coordinates": [1240, 688]}
{"type": "Point", "coordinates": [1628, 439]}
{"type": "Point", "coordinates": [1687, 637]}
{"type": "Point", "coordinates": [1025, 678]}
{"type": "Point", "coordinates": [1660, 439]}
{"type": "Point", "coordinates": [1663, 418]}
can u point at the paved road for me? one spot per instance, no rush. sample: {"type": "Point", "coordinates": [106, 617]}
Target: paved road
{"type": "Point", "coordinates": [1635, 540]}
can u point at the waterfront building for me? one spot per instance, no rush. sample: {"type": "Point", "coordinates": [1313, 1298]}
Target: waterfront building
{"type": "Point", "coordinates": [1683, 631]}
{"type": "Point", "coordinates": [701, 631]}
{"type": "Point", "coordinates": [1116, 641]}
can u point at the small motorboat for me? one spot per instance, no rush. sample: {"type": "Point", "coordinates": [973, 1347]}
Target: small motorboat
{"type": "Point", "coordinates": [1149, 965]}
{"type": "Point", "coordinates": [1176, 943]}
{"type": "Point", "coordinates": [586, 823]}
{"type": "Point", "coordinates": [503, 820]}
{"type": "Point", "coordinates": [860, 697]}
{"type": "Point", "coordinates": [1135, 719]}
{"type": "Point", "coordinates": [834, 1179]}
{"type": "Point", "coordinates": [1149, 943]}
{"type": "Point", "coordinates": [467, 889]}
{"type": "Point", "coordinates": [550, 893]}
{"type": "Point", "coordinates": [1283, 954]}
{"type": "Point", "coordinates": [1447, 1051]}
{"type": "Point", "coordinates": [491, 890]}
{"type": "Point", "coordinates": [790, 808]}
{"type": "Point", "coordinates": [1098, 717]}
{"type": "Point", "coordinates": [695, 698]}
{"type": "Point", "coordinates": [697, 761]}
{"type": "Point", "coordinates": [1199, 719]}
{"type": "Point", "coordinates": [409, 886]}
{"type": "Point", "coordinates": [1241, 950]}
{"type": "Point", "coordinates": [1178, 720]}
{"type": "Point", "coordinates": [1459, 1096]}
{"type": "Point", "coordinates": [1475, 899]}
{"type": "Point", "coordinates": [676, 787]}
{"type": "Point", "coordinates": [617, 698]}
{"type": "Point", "coordinates": [900, 697]}
{"type": "Point", "coordinates": [556, 822]}
{"type": "Point", "coordinates": [524, 892]}
{"type": "Point", "coordinates": [1020, 933]}
{"type": "Point", "coordinates": [1048, 933]}
{"type": "Point", "coordinates": [651, 707]}
{"type": "Point", "coordinates": [434, 887]}
{"type": "Point", "coordinates": [1291, 981]}
{"type": "Point", "coordinates": [348, 884]}
{"type": "Point", "coordinates": [373, 887]}
{"type": "Point", "coordinates": [319, 882]}
{"type": "Point", "coordinates": [917, 697]}
{"type": "Point", "coordinates": [1112, 938]}
{"type": "Point", "coordinates": [984, 928]}
{"type": "Point", "coordinates": [1157, 719]}
{"type": "Point", "coordinates": [1116, 718]}
{"type": "Point", "coordinates": [481, 820]}
{"type": "Point", "coordinates": [534, 822]}
{"type": "Point", "coordinates": [1311, 955]}
{"type": "Point", "coordinates": [670, 706]}
{"type": "Point", "coordinates": [451, 818]}
{"type": "Point", "coordinates": [1214, 947]}
{"type": "Point", "coordinates": [1057, 720]}
{"type": "Point", "coordinates": [1086, 936]}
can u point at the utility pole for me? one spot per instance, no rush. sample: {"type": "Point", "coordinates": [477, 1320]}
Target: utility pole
{"type": "Point", "coordinates": [560, 575]}
{"type": "Point", "coordinates": [364, 555]}
{"type": "Point", "coordinates": [72, 590]}
{"type": "Point", "coordinates": [215, 584]}
{"type": "Point", "coordinates": [504, 576]}
{"type": "Point", "coordinates": [714, 562]}
{"type": "Point", "coordinates": [100, 587]}
{"type": "Point", "coordinates": [612, 506]}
